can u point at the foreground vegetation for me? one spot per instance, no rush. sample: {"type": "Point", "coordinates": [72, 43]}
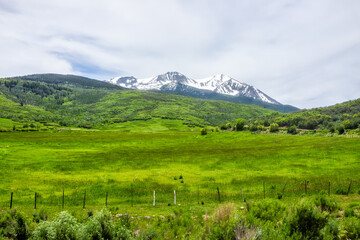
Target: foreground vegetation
{"type": "Point", "coordinates": [316, 217]}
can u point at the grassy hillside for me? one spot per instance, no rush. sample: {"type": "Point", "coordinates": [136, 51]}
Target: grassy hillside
{"type": "Point", "coordinates": [77, 101]}
{"type": "Point", "coordinates": [340, 116]}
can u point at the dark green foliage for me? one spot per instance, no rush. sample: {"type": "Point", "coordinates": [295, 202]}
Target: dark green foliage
{"type": "Point", "coordinates": [14, 225]}
{"type": "Point", "coordinates": [292, 129]}
{"type": "Point", "coordinates": [341, 129]}
{"type": "Point", "coordinates": [239, 124]}
{"type": "Point", "coordinates": [204, 131]}
{"type": "Point", "coordinates": [307, 220]}
{"type": "Point", "coordinates": [341, 191]}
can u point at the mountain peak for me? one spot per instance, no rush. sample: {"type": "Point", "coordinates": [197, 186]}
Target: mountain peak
{"type": "Point", "coordinates": [219, 83]}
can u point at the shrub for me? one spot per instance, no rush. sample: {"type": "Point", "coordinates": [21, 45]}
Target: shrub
{"type": "Point", "coordinates": [307, 220]}
{"type": "Point", "coordinates": [100, 226]}
{"type": "Point", "coordinates": [224, 222]}
{"type": "Point", "coordinates": [274, 127]}
{"type": "Point", "coordinates": [203, 131]}
{"type": "Point", "coordinates": [292, 129]}
{"type": "Point", "coordinates": [239, 124]}
{"type": "Point", "coordinates": [266, 210]}
{"type": "Point", "coordinates": [341, 129]}
{"type": "Point", "coordinates": [331, 230]}
{"type": "Point", "coordinates": [14, 225]}
{"type": "Point", "coordinates": [341, 191]}
{"type": "Point", "coordinates": [65, 226]}
{"type": "Point", "coordinates": [253, 127]}
{"type": "Point", "coordinates": [351, 228]}
{"type": "Point", "coordinates": [325, 203]}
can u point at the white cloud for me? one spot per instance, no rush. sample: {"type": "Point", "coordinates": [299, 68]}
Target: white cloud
{"type": "Point", "coordinates": [304, 53]}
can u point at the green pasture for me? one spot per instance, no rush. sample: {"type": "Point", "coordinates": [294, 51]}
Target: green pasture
{"type": "Point", "coordinates": [130, 166]}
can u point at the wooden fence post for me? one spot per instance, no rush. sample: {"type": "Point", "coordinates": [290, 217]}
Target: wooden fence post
{"type": "Point", "coordinates": [106, 199]}
{"type": "Point", "coordinates": [11, 199]}
{"type": "Point", "coordinates": [284, 188]}
{"type": "Point", "coordinates": [218, 191]}
{"type": "Point", "coordinates": [35, 201]}
{"type": "Point", "coordinates": [84, 198]}
{"type": "Point", "coordinates": [63, 199]}
{"type": "Point", "coordinates": [348, 191]}
{"type": "Point", "coordinates": [329, 189]}
{"type": "Point", "coordinates": [305, 187]}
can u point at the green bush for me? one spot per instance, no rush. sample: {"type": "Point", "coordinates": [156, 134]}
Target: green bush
{"type": "Point", "coordinates": [274, 127]}
{"type": "Point", "coordinates": [351, 228]}
{"type": "Point", "coordinates": [239, 124]}
{"type": "Point", "coordinates": [266, 210]}
{"type": "Point", "coordinates": [14, 225]}
{"type": "Point", "coordinates": [325, 203]}
{"type": "Point", "coordinates": [100, 226]}
{"type": "Point", "coordinates": [203, 131]}
{"type": "Point", "coordinates": [65, 226]}
{"type": "Point", "coordinates": [292, 129]}
{"type": "Point", "coordinates": [307, 220]}
{"type": "Point", "coordinates": [341, 129]}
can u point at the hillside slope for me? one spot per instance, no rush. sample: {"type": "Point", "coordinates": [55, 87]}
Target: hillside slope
{"type": "Point", "coordinates": [77, 101]}
{"type": "Point", "coordinates": [346, 115]}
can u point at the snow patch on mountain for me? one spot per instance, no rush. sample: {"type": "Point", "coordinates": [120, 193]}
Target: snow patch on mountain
{"type": "Point", "coordinates": [219, 83]}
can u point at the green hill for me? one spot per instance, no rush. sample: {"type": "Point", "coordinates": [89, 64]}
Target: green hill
{"type": "Point", "coordinates": [82, 102]}
{"type": "Point", "coordinates": [343, 115]}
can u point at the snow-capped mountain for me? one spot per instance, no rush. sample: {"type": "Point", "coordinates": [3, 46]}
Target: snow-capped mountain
{"type": "Point", "coordinates": [221, 84]}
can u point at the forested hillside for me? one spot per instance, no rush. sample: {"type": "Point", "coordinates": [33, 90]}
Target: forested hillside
{"type": "Point", "coordinates": [77, 101]}
{"type": "Point", "coordinates": [340, 116]}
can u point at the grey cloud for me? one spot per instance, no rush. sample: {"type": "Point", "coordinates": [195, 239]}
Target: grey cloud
{"type": "Point", "coordinates": [304, 53]}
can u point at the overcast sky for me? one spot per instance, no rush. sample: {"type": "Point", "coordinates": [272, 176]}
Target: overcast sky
{"type": "Point", "coordinates": [304, 53]}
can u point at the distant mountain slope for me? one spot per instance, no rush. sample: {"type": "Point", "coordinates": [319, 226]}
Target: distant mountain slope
{"type": "Point", "coordinates": [218, 87]}
{"type": "Point", "coordinates": [77, 101]}
{"type": "Point", "coordinates": [70, 80]}
{"type": "Point", "coordinates": [345, 115]}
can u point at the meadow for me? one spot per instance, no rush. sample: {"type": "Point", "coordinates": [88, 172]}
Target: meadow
{"type": "Point", "coordinates": [129, 166]}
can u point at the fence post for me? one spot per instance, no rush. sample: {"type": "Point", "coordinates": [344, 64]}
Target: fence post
{"type": "Point", "coordinates": [84, 198]}
{"type": "Point", "coordinates": [329, 187]}
{"type": "Point", "coordinates": [154, 200]}
{"type": "Point", "coordinates": [284, 188]}
{"type": "Point", "coordinates": [11, 199]}
{"type": "Point", "coordinates": [106, 199]}
{"type": "Point", "coordinates": [218, 191]}
{"type": "Point", "coordinates": [348, 191]}
{"type": "Point", "coordinates": [35, 201]}
{"type": "Point", "coordinates": [305, 187]}
{"type": "Point", "coordinates": [175, 197]}
{"type": "Point", "coordinates": [63, 199]}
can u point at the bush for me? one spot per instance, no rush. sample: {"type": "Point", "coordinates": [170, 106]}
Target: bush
{"type": "Point", "coordinates": [100, 226]}
{"type": "Point", "coordinates": [14, 225]}
{"type": "Point", "coordinates": [307, 220]}
{"type": "Point", "coordinates": [325, 203]}
{"type": "Point", "coordinates": [65, 226]}
{"type": "Point", "coordinates": [266, 210]}
{"type": "Point", "coordinates": [351, 228]}
{"type": "Point", "coordinates": [253, 127]}
{"type": "Point", "coordinates": [292, 129]}
{"type": "Point", "coordinates": [203, 131]}
{"type": "Point", "coordinates": [341, 129]}
{"type": "Point", "coordinates": [239, 124]}
{"type": "Point", "coordinates": [224, 222]}
{"type": "Point", "coordinates": [274, 127]}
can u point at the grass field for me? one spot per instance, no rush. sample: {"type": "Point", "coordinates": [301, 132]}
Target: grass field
{"type": "Point", "coordinates": [130, 166]}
